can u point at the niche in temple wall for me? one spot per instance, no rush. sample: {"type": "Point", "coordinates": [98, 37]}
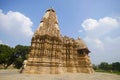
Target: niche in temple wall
{"type": "Point", "coordinates": [33, 44]}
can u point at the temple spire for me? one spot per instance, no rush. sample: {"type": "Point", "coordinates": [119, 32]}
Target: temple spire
{"type": "Point", "coordinates": [49, 24]}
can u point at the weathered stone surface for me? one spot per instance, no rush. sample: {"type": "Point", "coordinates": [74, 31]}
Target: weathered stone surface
{"type": "Point", "coordinates": [52, 53]}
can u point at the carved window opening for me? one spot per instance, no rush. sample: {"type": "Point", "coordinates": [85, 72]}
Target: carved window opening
{"type": "Point", "coordinates": [80, 51]}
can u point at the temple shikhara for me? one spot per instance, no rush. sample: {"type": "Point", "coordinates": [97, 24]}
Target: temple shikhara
{"type": "Point", "coordinates": [52, 53]}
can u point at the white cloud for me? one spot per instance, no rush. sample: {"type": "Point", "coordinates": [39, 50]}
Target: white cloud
{"type": "Point", "coordinates": [89, 24]}
{"type": "Point", "coordinates": [107, 23]}
{"type": "Point", "coordinates": [102, 38]}
{"type": "Point", "coordinates": [14, 26]}
{"type": "Point", "coordinates": [96, 28]}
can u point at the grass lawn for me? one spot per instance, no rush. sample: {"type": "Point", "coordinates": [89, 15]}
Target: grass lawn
{"type": "Point", "coordinates": [112, 72]}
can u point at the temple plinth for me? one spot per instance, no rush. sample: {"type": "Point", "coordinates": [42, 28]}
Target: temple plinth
{"type": "Point", "coordinates": [51, 53]}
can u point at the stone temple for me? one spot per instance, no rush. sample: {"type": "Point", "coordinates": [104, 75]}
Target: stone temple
{"type": "Point", "coordinates": [51, 53]}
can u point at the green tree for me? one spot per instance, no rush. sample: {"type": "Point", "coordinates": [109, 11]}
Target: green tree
{"type": "Point", "coordinates": [20, 55]}
{"type": "Point", "coordinates": [5, 55]}
{"type": "Point", "coordinates": [95, 67]}
{"type": "Point", "coordinates": [104, 66]}
{"type": "Point", "coordinates": [116, 66]}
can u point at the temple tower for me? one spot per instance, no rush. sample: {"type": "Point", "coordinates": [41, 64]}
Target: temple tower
{"type": "Point", "coordinates": [52, 53]}
{"type": "Point", "coordinates": [45, 46]}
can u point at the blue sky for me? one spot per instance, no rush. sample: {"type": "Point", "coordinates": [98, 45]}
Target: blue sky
{"type": "Point", "coordinates": [97, 22]}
